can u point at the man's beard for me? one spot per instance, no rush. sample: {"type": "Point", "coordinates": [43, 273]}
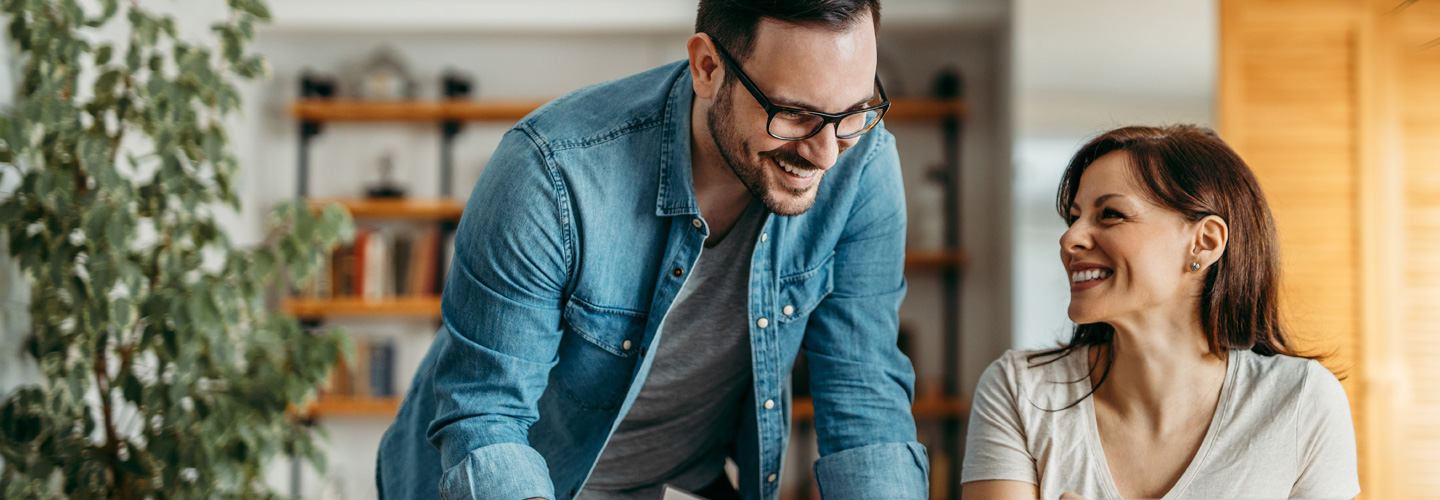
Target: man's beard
{"type": "Point", "coordinates": [736, 153]}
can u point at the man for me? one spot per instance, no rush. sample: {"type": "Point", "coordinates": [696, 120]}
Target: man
{"type": "Point", "coordinates": [640, 263]}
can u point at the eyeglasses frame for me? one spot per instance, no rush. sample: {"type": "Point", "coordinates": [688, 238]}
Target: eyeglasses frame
{"type": "Point", "coordinates": [772, 109]}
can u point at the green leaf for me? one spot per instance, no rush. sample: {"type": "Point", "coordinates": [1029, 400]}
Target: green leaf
{"type": "Point", "coordinates": [255, 8]}
{"type": "Point", "coordinates": [131, 387]}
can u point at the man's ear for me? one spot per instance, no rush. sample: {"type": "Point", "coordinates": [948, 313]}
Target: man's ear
{"type": "Point", "coordinates": [707, 70]}
{"type": "Point", "coordinates": [1212, 234]}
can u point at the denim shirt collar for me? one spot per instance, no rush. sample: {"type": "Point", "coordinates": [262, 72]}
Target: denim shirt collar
{"type": "Point", "coordinates": [677, 186]}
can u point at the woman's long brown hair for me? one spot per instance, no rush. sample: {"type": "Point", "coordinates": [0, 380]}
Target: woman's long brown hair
{"type": "Point", "coordinates": [1188, 169]}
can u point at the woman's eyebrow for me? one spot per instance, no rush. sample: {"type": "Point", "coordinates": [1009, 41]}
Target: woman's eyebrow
{"type": "Point", "coordinates": [1098, 201]}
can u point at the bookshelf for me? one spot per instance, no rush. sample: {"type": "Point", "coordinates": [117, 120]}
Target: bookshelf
{"type": "Point", "coordinates": [347, 110]}
{"type": "Point", "coordinates": [802, 409]}
{"type": "Point", "coordinates": [947, 111]}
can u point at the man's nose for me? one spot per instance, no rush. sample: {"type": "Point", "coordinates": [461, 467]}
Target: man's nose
{"type": "Point", "coordinates": [822, 149]}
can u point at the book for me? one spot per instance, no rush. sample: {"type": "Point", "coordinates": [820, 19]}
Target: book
{"type": "Point", "coordinates": [376, 281]}
{"type": "Point", "coordinates": [382, 369]}
{"type": "Point", "coordinates": [362, 247]}
{"type": "Point", "coordinates": [422, 263]}
{"type": "Point", "coordinates": [400, 261]}
{"type": "Point", "coordinates": [360, 369]}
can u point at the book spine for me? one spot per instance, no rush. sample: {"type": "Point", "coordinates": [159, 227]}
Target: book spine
{"type": "Point", "coordinates": [382, 369]}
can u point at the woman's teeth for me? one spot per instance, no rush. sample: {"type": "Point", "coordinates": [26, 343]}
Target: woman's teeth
{"type": "Point", "coordinates": [1090, 274]}
{"type": "Point", "coordinates": [795, 171]}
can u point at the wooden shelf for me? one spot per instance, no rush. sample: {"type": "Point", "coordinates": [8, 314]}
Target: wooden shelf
{"type": "Point", "coordinates": [400, 208]}
{"type": "Point", "coordinates": [804, 408]}
{"type": "Point", "coordinates": [907, 108]}
{"type": "Point", "coordinates": [935, 259]}
{"type": "Point", "coordinates": [423, 306]}
{"type": "Point", "coordinates": [344, 406]}
{"type": "Point", "coordinates": [931, 408]}
{"type": "Point", "coordinates": [349, 110]}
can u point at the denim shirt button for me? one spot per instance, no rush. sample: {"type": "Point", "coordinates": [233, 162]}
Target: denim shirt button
{"type": "Point", "coordinates": [762, 323]}
{"type": "Point", "coordinates": [788, 310]}
{"type": "Point", "coordinates": [625, 345]}
{"type": "Point", "coordinates": [696, 222]}
{"type": "Point", "coordinates": [771, 478]}
{"type": "Point", "coordinates": [764, 236]}
{"type": "Point", "coordinates": [677, 272]}
{"type": "Point", "coordinates": [769, 404]}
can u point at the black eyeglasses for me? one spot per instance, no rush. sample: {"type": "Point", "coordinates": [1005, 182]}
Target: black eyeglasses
{"type": "Point", "coordinates": [794, 124]}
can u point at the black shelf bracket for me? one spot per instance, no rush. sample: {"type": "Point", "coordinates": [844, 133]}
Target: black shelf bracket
{"type": "Point", "coordinates": [949, 85]}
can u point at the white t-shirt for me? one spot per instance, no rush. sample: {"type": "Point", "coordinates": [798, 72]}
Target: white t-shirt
{"type": "Point", "coordinates": [1281, 429]}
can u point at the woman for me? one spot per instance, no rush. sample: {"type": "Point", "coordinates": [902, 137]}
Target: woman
{"type": "Point", "coordinates": [1180, 380]}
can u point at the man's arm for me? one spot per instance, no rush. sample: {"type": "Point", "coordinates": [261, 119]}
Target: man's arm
{"type": "Point", "coordinates": [862, 385]}
{"type": "Point", "coordinates": [501, 311]}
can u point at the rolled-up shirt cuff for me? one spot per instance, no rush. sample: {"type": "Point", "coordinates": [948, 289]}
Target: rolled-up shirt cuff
{"type": "Point", "coordinates": [502, 471]}
{"type": "Point", "coordinates": [884, 470]}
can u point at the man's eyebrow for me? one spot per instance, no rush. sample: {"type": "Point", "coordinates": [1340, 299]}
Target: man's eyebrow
{"type": "Point", "coordinates": [791, 103]}
{"type": "Point", "coordinates": [1098, 201]}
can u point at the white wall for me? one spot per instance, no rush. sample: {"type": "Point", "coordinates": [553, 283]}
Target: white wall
{"type": "Point", "coordinates": [1082, 68]}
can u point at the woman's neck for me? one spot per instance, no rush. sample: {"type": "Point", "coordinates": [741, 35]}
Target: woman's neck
{"type": "Point", "coordinates": [1160, 375]}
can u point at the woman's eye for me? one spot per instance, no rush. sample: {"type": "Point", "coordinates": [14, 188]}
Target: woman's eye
{"type": "Point", "coordinates": [1111, 214]}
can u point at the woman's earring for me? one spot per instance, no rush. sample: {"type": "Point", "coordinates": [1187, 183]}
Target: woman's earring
{"type": "Point", "coordinates": [1194, 266]}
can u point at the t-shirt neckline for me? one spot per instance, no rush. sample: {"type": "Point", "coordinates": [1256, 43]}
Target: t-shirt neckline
{"type": "Point", "coordinates": [1222, 409]}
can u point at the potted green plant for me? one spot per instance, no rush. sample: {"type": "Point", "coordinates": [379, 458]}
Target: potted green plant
{"type": "Point", "coordinates": [164, 372]}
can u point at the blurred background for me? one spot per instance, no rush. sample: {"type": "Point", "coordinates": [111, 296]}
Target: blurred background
{"type": "Point", "coordinates": [393, 108]}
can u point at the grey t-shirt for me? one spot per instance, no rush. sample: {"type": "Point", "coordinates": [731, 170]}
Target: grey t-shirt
{"type": "Point", "coordinates": [1281, 430]}
{"type": "Point", "coordinates": [677, 430]}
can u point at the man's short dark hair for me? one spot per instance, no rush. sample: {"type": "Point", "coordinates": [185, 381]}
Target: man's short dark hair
{"type": "Point", "coordinates": [732, 23]}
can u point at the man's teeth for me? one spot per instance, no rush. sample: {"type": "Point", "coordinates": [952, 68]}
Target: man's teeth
{"type": "Point", "coordinates": [1090, 274]}
{"type": "Point", "coordinates": [798, 172]}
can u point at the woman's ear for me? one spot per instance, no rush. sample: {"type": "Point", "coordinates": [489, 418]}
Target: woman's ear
{"type": "Point", "coordinates": [707, 70]}
{"type": "Point", "coordinates": [1212, 234]}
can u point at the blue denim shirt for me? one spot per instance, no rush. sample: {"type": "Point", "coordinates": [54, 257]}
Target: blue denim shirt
{"type": "Point", "coordinates": [573, 246]}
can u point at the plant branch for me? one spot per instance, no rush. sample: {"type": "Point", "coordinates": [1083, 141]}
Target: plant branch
{"type": "Point", "coordinates": [111, 447]}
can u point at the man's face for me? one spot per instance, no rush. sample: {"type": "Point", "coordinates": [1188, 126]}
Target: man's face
{"type": "Point", "coordinates": [795, 66]}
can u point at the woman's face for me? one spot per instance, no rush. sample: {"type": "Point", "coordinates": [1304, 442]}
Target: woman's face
{"type": "Point", "coordinates": [1125, 255]}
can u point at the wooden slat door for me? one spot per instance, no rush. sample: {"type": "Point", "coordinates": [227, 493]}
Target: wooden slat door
{"type": "Point", "coordinates": [1336, 106]}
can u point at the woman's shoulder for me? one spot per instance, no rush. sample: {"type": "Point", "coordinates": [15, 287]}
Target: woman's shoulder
{"type": "Point", "coordinates": [1028, 364]}
{"type": "Point", "coordinates": [1039, 375]}
{"type": "Point", "coordinates": [1283, 373]}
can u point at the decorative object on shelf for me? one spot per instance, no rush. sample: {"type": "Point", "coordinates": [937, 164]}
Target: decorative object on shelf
{"type": "Point", "coordinates": [456, 84]}
{"type": "Point", "coordinates": [387, 187]}
{"type": "Point", "coordinates": [314, 85]}
{"type": "Point", "coordinates": [385, 77]}
{"type": "Point", "coordinates": [162, 372]}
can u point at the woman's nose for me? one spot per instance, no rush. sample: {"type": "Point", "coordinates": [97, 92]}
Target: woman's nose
{"type": "Point", "coordinates": [1076, 238]}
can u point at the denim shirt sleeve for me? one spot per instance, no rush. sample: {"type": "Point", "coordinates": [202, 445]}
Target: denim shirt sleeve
{"type": "Point", "coordinates": [501, 312]}
{"type": "Point", "coordinates": [862, 385]}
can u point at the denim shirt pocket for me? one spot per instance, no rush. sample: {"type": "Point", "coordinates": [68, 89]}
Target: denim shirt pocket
{"type": "Point", "coordinates": [801, 292]}
{"type": "Point", "coordinates": [597, 353]}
